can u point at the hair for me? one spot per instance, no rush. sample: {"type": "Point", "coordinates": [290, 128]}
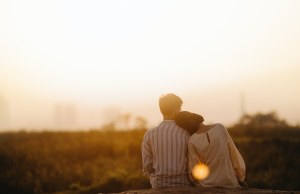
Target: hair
{"type": "Point", "coordinates": [168, 103]}
{"type": "Point", "coordinates": [189, 121]}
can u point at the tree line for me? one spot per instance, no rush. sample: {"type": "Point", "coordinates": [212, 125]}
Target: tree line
{"type": "Point", "coordinates": [110, 160]}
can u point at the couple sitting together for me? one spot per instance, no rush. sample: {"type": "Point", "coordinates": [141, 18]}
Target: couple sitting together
{"type": "Point", "coordinates": [181, 141]}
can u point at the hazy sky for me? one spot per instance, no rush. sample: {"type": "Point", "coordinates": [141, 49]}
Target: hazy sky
{"type": "Point", "coordinates": [96, 55]}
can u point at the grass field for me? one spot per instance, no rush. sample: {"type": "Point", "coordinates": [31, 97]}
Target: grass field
{"type": "Point", "coordinates": [110, 161]}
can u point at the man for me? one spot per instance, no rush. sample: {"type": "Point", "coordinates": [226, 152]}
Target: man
{"type": "Point", "coordinates": [164, 147]}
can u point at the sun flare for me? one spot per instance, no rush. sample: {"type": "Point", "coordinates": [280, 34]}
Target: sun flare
{"type": "Point", "coordinates": [200, 171]}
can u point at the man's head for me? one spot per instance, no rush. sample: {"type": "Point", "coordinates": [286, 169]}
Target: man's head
{"type": "Point", "coordinates": [189, 121]}
{"type": "Point", "coordinates": [170, 105]}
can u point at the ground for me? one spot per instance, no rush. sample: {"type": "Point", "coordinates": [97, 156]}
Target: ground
{"type": "Point", "coordinates": [196, 190]}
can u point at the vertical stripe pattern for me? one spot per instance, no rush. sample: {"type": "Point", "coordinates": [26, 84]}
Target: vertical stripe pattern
{"type": "Point", "coordinates": [164, 150]}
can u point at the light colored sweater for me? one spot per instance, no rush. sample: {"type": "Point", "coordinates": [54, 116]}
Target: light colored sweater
{"type": "Point", "coordinates": [216, 149]}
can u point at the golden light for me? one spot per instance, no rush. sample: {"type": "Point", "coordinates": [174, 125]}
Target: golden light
{"type": "Point", "coordinates": [200, 171]}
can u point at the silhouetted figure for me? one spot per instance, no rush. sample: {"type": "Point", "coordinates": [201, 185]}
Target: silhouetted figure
{"type": "Point", "coordinates": [212, 146]}
{"type": "Point", "coordinates": [164, 147]}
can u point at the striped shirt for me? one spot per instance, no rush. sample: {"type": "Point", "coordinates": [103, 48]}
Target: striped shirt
{"type": "Point", "coordinates": [164, 151]}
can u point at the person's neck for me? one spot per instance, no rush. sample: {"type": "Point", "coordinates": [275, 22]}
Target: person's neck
{"type": "Point", "coordinates": [202, 125]}
{"type": "Point", "coordinates": [169, 118]}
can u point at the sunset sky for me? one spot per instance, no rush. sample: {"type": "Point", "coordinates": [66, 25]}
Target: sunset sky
{"type": "Point", "coordinates": [122, 55]}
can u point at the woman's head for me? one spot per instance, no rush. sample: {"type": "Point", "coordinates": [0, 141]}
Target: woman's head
{"type": "Point", "coordinates": [189, 121]}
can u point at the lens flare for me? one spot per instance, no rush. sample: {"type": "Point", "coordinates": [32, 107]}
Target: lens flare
{"type": "Point", "coordinates": [200, 171]}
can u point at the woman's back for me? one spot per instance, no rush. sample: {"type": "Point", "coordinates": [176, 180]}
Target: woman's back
{"type": "Point", "coordinates": [214, 149]}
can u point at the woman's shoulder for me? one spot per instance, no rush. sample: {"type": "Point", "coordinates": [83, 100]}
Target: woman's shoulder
{"type": "Point", "coordinates": [215, 126]}
{"type": "Point", "coordinates": [218, 127]}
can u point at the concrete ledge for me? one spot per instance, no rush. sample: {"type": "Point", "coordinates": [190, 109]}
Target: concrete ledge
{"type": "Point", "coordinates": [198, 190]}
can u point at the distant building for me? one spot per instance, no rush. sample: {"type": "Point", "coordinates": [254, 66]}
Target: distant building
{"type": "Point", "coordinates": [4, 113]}
{"type": "Point", "coordinates": [243, 111]}
{"type": "Point", "coordinates": [65, 115]}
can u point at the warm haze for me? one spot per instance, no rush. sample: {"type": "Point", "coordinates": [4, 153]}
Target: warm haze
{"type": "Point", "coordinates": [91, 56]}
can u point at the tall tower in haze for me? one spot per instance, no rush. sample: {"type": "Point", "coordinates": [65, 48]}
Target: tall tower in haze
{"type": "Point", "coordinates": [4, 113]}
{"type": "Point", "coordinates": [243, 112]}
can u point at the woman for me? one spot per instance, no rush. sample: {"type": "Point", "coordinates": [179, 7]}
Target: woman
{"type": "Point", "coordinates": [213, 146]}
